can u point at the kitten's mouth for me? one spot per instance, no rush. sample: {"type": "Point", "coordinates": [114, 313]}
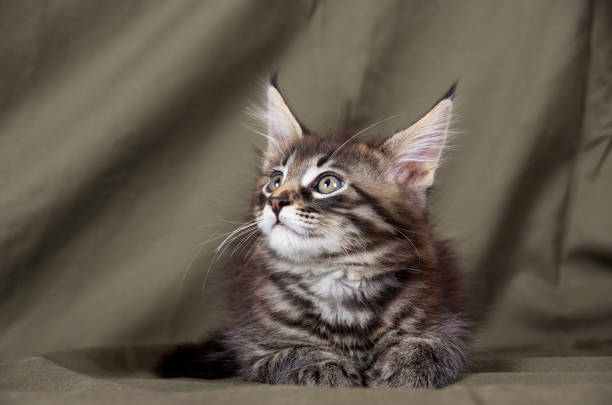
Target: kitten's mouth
{"type": "Point", "coordinates": [283, 226]}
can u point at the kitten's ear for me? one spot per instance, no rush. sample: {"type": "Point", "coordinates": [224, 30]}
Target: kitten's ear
{"type": "Point", "coordinates": [283, 127]}
{"type": "Point", "coordinates": [413, 154]}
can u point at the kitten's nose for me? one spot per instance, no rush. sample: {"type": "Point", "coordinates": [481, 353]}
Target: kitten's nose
{"type": "Point", "coordinates": [278, 203]}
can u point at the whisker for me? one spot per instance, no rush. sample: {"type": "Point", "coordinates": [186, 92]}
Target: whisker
{"type": "Point", "coordinates": [220, 249]}
{"type": "Point", "coordinates": [361, 132]}
{"type": "Point", "coordinates": [358, 246]}
{"type": "Point", "coordinates": [244, 240]}
{"type": "Point", "coordinates": [410, 241]}
{"type": "Point", "coordinates": [188, 267]}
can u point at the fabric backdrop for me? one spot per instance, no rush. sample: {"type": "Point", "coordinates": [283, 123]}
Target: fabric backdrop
{"type": "Point", "coordinates": [124, 146]}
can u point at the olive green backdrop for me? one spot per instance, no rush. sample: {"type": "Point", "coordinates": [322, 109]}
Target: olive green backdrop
{"type": "Point", "coordinates": [124, 146]}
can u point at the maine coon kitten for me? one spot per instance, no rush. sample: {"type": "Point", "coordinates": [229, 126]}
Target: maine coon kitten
{"type": "Point", "coordinates": [344, 284]}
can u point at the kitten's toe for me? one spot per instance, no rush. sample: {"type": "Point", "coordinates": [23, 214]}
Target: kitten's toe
{"type": "Point", "coordinates": [329, 374]}
{"type": "Point", "coordinates": [418, 366]}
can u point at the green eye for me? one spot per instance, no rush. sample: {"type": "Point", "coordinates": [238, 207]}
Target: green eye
{"type": "Point", "coordinates": [275, 181]}
{"type": "Point", "coordinates": [328, 184]}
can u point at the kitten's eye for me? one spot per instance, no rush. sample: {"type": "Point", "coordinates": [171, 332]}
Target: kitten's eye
{"type": "Point", "coordinates": [275, 181]}
{"type": "Point", "coordinates": [329, 184]}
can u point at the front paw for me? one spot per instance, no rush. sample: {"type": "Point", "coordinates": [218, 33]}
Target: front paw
{"type": "Point", "coordinates": [415, 365]}
{"type": "Point", "coordinates": [329, 373]}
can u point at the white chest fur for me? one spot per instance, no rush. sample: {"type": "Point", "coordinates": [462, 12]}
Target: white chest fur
{"type": "Point", "coordinates": [333, 290]}
{"type": "Point", "coordinates": [335, 286]}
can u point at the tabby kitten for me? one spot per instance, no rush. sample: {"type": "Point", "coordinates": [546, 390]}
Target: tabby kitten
{"type": "Point", "coordinates": [344, 284]}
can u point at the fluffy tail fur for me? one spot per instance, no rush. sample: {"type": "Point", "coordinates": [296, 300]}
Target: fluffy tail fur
{"type": "Point", "coordinates": [211, 359]}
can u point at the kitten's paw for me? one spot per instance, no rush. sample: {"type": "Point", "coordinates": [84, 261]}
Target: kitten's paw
{"type": "Point", "coordinates": [415, 365]}
{"type": "Point", "coordinates": [329, 373]}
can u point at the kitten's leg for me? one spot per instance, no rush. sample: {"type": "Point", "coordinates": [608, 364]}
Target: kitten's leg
{"type": "Point", "coordinates": [305, 365]}
{"type": "Point", "coordinates": [418, 363]}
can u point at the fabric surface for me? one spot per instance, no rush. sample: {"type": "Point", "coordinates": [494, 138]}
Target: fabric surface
{"type": "Point", "coordinates": [121, 376]}
{"type": "Point", "coordinates": [124, 146]}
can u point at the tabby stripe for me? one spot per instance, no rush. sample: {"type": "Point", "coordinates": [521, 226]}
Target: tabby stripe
{"type": "Point", "coordinates": [289, 295]}
{"type": "Point", "coordinates": [309, 210]}
{"type": "Point", "coordinates": [366, 227]}
{"type": "Point", "coordinates": [312, 323]}
{"type": "Point", "coordinates": [380, 210]}
{"type": "Point", "coordinates": [404, 313]}
{"type": "Point", "coordinates": [388, 281]}
{"type": "Point", "coordinates": [285, 275]}
{"type": "Point", "coordinates": [388, 296]}
{"type": "Point", "coordinates": [323, 159]}
{"type": "Point", "coordinates": [344, 204]}
{"type": "Point", "coordinates": [384, 301]}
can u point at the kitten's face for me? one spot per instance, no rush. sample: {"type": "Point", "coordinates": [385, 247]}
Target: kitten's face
{"type": "Point", "coordinates": [309, 203]}
{"type": "Point", "coordinates": [324, 196]}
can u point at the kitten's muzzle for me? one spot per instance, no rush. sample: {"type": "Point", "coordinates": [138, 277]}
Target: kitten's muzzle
{"type": "Point", "coordinates": [277, 204]}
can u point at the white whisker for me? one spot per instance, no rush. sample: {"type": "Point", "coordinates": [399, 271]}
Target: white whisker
{"type": "Point", "coordinates": [220, 249]}
{"type": "Point", "coordinates": [361, 132]}
{"type": "Point", "coordinates": [188, 267]}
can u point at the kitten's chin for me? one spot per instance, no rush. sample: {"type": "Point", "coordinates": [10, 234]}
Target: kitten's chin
{"type": "Point", "coordinates": [293, 246]}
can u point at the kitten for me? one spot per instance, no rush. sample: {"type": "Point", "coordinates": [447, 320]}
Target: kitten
{"type": "Point", "coordinates": [344, 284]}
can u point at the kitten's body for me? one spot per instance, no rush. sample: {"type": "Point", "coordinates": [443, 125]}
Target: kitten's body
{"type": "Point", "coordinates": [346, 288]}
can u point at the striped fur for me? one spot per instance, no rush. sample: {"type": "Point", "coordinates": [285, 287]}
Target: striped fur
{"type": "Point", "coordinates": [349, 288]}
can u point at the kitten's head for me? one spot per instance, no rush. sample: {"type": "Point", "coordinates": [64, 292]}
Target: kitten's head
{"type": "Point", "coordinates": [321, 196]}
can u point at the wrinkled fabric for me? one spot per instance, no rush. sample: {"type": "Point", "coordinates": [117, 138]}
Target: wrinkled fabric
{"type": "Point", "coordinates": [125, 151]}
{"type": "Point", "coordinates": [102, 376]}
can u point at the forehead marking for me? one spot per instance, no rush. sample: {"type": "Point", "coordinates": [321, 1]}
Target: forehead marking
{"type": "Point", "coordinates": [310, 174]}
{"type": "Point", "coordinates": [315, 168]}
{"type": "Point", "coordinates": [288, 160]}
{"type": "Point", "coordinates": [284, 166]}
{"type": "Point", "coordinates": [284, 162]}
{"type": "Point", "coordinates": [323, 159]}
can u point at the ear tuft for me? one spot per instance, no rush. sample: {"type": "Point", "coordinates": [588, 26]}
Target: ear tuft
{"type": "Point", "coordinates": [282, 126]}
{"type": "Point", "coordinates": [413, 154]}
{"type": "Point", "coordinates": [450, 93]}
{"type": "Point", "coordinates": [274, 80]}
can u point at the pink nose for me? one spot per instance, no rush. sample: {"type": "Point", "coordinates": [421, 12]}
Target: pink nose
{"type": "Point", "coordinates": [278, 203]}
